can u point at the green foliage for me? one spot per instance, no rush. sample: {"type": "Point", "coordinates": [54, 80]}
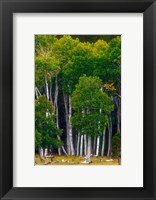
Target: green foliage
{"type": "Point", "coordinates": [116, 145]}
{"type": "Point", "coordinates": [91, 106]}
{"type": "Point", "coordinates": [45, 60]}
{"type": "Point", "coordinates": [114, 50]}
{"type": "Point", "coordinates": [38, 139]}
{"type": "Point", "coordinates": [45, 127]}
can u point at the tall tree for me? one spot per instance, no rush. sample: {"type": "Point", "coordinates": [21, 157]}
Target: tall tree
{"type": "Point", "coordinates": [88, 97]}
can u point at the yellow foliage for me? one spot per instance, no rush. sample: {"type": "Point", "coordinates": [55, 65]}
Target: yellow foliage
{"type": "Point", "coordinates": [109, 86]}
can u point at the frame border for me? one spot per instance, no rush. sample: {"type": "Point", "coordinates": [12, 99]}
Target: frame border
{"type": "Point", "coordinates": [7, 8]}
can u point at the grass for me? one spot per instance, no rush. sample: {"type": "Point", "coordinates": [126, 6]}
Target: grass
{"type": "Point", "coordinates": [75, 160]}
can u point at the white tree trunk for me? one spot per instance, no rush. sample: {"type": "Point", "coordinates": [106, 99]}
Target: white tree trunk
{"type": "Point", "coordinates": [81, 146]}
{"type": "Point", "coordinates": [98, 139]}
{"type": "Point", "coordinates": [67, 123]}
{"type": "Point", "coordinates": [41, 152]}
{"type": "Point", "coordinates": [89, 149]}
{"type": "Point", "coordinates": [78, 144]}
{"type": "Point", "coordinates": [70, 128]}
{"type": "Point", "coordinates": [56, 91]}
{"type": "Point", "coordinates": [103, 142]}
{"type": "Point", "coordinates": [98, 146]}
{"type": "Point", "coordinates": [85, 145]}
{"type": "Point", "coordinates": [39, 94]}
{"type": "Point", "coordinates": [56, 110]}
{"type": "Point", "coordinates": [36, 93]}
{"type": "Point", "coordinates": [45, 152]}
{"type": "Point", "coordinates": [47, 89]}
{"type": "Point", "coordinates": [50, 92]}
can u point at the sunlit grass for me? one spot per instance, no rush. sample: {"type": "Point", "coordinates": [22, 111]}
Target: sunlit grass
{"type": "Point", "coordinates": [75, 160]}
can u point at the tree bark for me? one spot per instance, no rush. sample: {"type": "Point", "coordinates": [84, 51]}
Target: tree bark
{"type": "Point", "coordinates": [78, 144]}
{"type": "Point", "coordinates": [67, 124]}
{"type": "Point", "coordinates": [89, 149]}
{"type": "Point", "coordinates": [103, 142]}
{"type": "Point", "coordinates": [40, 152]}
{"type": "Point", "coordinates": [109, 136]}
{"type": "Point", "coordinates": [56, 91]}
{"type": "Point", "coordinates": [47, 89]}
{"type": "Point", "coordinates": [39, 94]}
{"type": "Point", "coordinates": [81, 146]}
{"type": "Point", "coordinates": [98, 138]}
{"type": "Point", "coordinates": [85, 145]}
{"type": "Point", "coordinates": [50, 93]}
{"type": "Point", "coordinates": [36, 93]}
{"type": "Point", "coordinates": [56, 110]}
{"type": "Point", "coordinates": [70, 128]}
{"type": "Point", "coordinates": [98, 146]}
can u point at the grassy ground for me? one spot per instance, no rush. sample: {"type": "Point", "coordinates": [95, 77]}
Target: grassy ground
{"type": "Point", "coordinates": [74, 160]}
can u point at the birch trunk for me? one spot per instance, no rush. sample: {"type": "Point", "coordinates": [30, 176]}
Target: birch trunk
{"type": "Point", "coordinates": [56, 91]}
{"type": "Point", "coordinates": [67, 123]}
{"type": "Point", "coordinates": [45, 152]}
{"type": "Point", "coordinates": [98, 138]}
{"type": "Point", "coordinates": [40, 152]}
{"type": "Point", "coordinates": [70, 128]}
{"type": "Point", "coordinates": [85, 145]}
{"type": "Point", "coordinates": [78, 144]}
{"type": "Point", "coordinates": [37, 90]}
{"type": "Point", "coordinates": [47, 89]}
{"type": "Point", "coordinates": [50, 92]}
{"type": "Point", "coordinates": [36, 93]}
{"type": "Point", "coordinates": [103, 142]}
{"type": "Point", "coordinates": [56, 110]}
{"type": "Point", "coordinates": [98, 146]}
{"type": "Point", "coordinates": [109, 136]}
{"type": "Point", "coordinates": [89, 149]}
{"type": "Point", "coordinates": [81, 146]}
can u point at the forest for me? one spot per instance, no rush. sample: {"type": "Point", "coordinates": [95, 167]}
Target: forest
{"type": "Point", "coordinates": [77, 99]}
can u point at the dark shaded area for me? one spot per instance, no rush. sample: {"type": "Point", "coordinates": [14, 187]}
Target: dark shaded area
{"type": "Point", "coordinates": [91, 38]}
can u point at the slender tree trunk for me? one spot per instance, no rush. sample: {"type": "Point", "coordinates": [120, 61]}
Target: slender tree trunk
{"type": "Point", "coordinates": [81, 146]}
{"type": "Point", "coordinates": [85, 145]}
{"type": "Point", "coordinates": [56, 110]}
{"type": "Point", "coordinates": [47, 89]}
{"type": "Point", "coordinates": [98, 138]}
{"type": "Point", "coordinates": [109, 136]}
{"type": "Point", "coordinates": [103, 142]}
{"type": "Point", "coordinates": [56, 91]}
{"type": "Point", "coordinates": [40, 152]}
{"type": "Point", "coordinates": [70, 128]}
{"type": "Point", "coordinates": [36, 93]}
{"type": "Point", "coordinates": [50, 92]}
{"type": "Point", "coordinates": [67, 123]}
{"type": "Point", "coordinates": [89, 149]}
{"type": "Point", "coordinates": [98, 146]}
{"type": "Point", "coordinates": [45, 152]}
{"type": "Point", "coordinates": [78, 144]}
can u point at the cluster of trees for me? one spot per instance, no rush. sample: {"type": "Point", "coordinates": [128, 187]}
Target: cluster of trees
{"type": "Point", "coordinates": [77, 94]}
